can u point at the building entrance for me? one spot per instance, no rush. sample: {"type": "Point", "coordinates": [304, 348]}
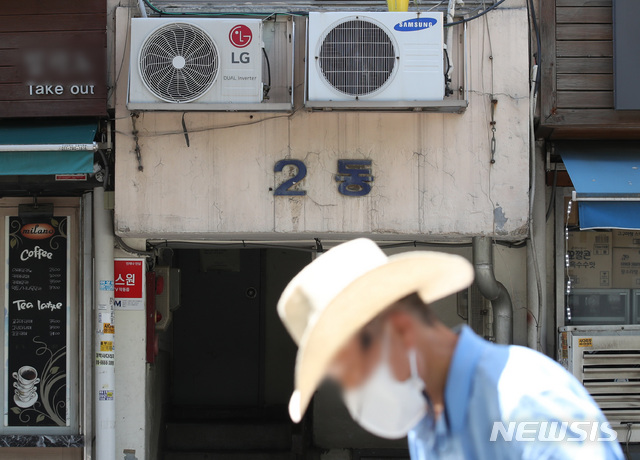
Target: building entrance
{"type": "Point", "coordinates": [230, 360]}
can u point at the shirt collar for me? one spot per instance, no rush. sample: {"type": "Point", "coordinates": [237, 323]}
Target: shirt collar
{"type": "Point", "coordinates": [460, 376]}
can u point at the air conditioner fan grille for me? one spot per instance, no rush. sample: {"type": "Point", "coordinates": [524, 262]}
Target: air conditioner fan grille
{"type": "Point", "coordinates": [357, 57]}
{"type": "Point", "coordinates": [179, 62]}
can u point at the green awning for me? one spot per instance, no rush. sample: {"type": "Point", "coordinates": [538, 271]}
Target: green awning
{"type": "Point", "coordinates": [47, 147]}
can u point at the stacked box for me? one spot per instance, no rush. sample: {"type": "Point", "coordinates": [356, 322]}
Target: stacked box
{"type": "Point", "coordinates": [590, 259]}
{"type": "Point", "coordinates": [626, 259]}
{"type": "Point", "coordinates": [626, 239]}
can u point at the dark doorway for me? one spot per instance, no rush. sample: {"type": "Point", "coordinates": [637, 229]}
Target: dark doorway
{"type": "Point", "coordinates": [216, 352]}
{"type": "Point", "coordinates": [232, 361]}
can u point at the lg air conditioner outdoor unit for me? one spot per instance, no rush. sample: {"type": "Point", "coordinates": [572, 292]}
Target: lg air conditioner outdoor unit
{"type": "Point", "coordinates": [605, 360]}
{"type": "Point", "coordinates": [195, 64]}
{"type": "Point", "coordinates": [365, 59]}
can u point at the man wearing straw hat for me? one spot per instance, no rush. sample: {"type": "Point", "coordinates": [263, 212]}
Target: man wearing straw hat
{"type": "Point", "coordinates": [363, 320]}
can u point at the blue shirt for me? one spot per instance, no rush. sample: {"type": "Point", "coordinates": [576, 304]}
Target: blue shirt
{"type": "Point", "coordinates": [492, 390]}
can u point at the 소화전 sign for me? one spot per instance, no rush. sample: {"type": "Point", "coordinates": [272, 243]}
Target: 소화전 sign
{"type": "Point", "coordinates": [36, 311]}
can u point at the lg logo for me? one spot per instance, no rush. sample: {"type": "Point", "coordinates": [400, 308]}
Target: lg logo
{"type": "Point", "coordinates": [240, 36]}
{"type": "Point", "coordinates": [242, 59]}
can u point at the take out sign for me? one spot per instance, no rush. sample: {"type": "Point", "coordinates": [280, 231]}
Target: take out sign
{"type": "Point", "coordinates": [61, 90]}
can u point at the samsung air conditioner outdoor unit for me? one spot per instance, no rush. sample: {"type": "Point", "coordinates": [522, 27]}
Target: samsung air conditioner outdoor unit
{"type": "Point", "coordinates": [605, 360]}
{"type": "Point", "coordinates": [195, 64]}
{"type": "Point", "coordinates": [388, 58]}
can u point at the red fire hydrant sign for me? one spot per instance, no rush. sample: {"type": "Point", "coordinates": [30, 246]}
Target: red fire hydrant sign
{"type": "Point", "coordinates": [128, 284]}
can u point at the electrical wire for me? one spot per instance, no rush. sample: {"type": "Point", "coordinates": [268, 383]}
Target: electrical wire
{"type": "Point", "coordinates": [105, 182]}
{"type": "Point", "coordinates": [540, 323]}
{"type": "Point", "coordinates": [313, 246]}
{"type": "Point", "coordinates": [268, 87]}
{"type": "Point", "coordinates": [111, 90]}
{"type": "Point", "coordinates": [124, 246]}
{"type": "Point", "coordinates": [552, 198]}
{"type": "Point", "coordinates": [534, 21]}
{"type": "Point", "coordinates": [161, 12]}
{"type": "Point", "coordinates": [210, 128]}
{"type": "Point", "coordinates": [480, 14]}
{"type": "Point", "coordinates": [446, 55]}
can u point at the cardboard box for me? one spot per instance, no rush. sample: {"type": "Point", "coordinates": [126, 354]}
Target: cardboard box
{"type": "Point", "coordinates": [626, 239]}
{"type": "Point", "coordinates": [626, 268]}
{"type": "Point", "coordinates": [590, 259]}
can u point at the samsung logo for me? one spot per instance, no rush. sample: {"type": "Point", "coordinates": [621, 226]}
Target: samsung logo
{"type": "Point", "coordinates": [415, 24]}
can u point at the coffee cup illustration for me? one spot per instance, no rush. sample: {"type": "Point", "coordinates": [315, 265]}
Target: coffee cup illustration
{"type": "Point", "coordinates": [25, 386]}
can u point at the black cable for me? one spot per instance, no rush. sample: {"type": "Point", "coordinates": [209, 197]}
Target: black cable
{"type": "Point", "coordinates": [513, 245]}
{"type": "Point", "coordinates": [480, 14]}
{"type": "Point", "coordinates": [425, 244]}
{"type": "Point", "coordinates": [532, 12]}
{"type": "Point", "coordinates": [447, 87]}
{"type": "Point", "coordinates": [128, 248]}
{"type": "Point", "coordinates": [266, 57]}
{"type": "Point", "coordinates": [314, 248]}
{"type": "Point", "coordinates": [105, 182]}
{"type": "Point", "coordinates": [446, 54]}
{"type": "Point", "coordinates": [155, 9]}
{"type": "Point", "coordinates": [553, 192]}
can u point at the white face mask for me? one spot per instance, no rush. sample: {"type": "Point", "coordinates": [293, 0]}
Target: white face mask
{"type": "Point", "coordinates": [385, 406]}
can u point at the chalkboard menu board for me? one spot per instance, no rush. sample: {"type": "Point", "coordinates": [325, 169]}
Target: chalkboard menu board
{"type": "Point", "coordinates": [36, 311]}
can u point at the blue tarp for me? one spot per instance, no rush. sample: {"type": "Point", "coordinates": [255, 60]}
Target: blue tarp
{"type": "Point", "coordinates": [46, 132]}
{"type": "Point", "coordinates": [610, 173]}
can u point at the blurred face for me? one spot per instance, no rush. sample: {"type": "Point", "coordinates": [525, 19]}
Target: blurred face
{"type": "Point", "coordinates": [355, 362]}
{"type": "Point", "coordinates": [378, 373]}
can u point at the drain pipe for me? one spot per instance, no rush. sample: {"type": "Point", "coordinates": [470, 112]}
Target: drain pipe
{"type": "Point", "coordinates": [492, 289]}
{"type": "Point", "coordinates": [143, 10]}
{"type": "Point", "coordinates": [104, 393]}
{"type": "Point", "coordinates": [451, 12]}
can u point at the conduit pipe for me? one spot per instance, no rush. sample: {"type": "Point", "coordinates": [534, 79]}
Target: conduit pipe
{"type": "Point", "coordinates": [104, 393]}
{"type": "Point", "coordinates": [492, 289]}
{"type": "Point", "coordinates": [143, 10]}
{"type": "Point", "coordinates": [90, 147]}
{"type": "Point", "coordinates": [451, 12]}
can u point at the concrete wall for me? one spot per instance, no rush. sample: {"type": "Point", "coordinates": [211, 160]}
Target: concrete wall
{"type": "Point", "coordinates": [433, 176]}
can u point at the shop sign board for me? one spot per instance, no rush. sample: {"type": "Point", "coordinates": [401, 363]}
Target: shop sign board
{"type": "Point", "coordinates": [54, 59]}
{"type": "Point", "coordinates": [128, 284]}
{"type": "Point", "coordinates": [37, 304]}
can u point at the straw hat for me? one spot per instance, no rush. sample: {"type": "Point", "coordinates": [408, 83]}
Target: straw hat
{"type": "Point", "coordinates": [332, 298]}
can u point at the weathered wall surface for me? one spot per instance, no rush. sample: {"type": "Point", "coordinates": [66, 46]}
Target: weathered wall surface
{"type": "Point", "coordinates": [433, 176]}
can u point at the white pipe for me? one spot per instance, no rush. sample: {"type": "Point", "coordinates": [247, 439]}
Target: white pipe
{"type": "Point", "coordinates": [536, 271]}
{"type": "Point", "coordinates": [535, 289]}
{"type": "Point", "coordinates": [493, 290]}
{"type": "Point", "coordinates": [105, 405]}
{"type": "Point", "coordinates": [90, 147]}
{"type": "Point", "coordinates": [143, 11]}
{"type": "Point", "coordinates": [88, 355]}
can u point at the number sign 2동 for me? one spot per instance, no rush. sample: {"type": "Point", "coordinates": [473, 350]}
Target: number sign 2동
{"type": "Point", "coordinates": [354, 177]}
